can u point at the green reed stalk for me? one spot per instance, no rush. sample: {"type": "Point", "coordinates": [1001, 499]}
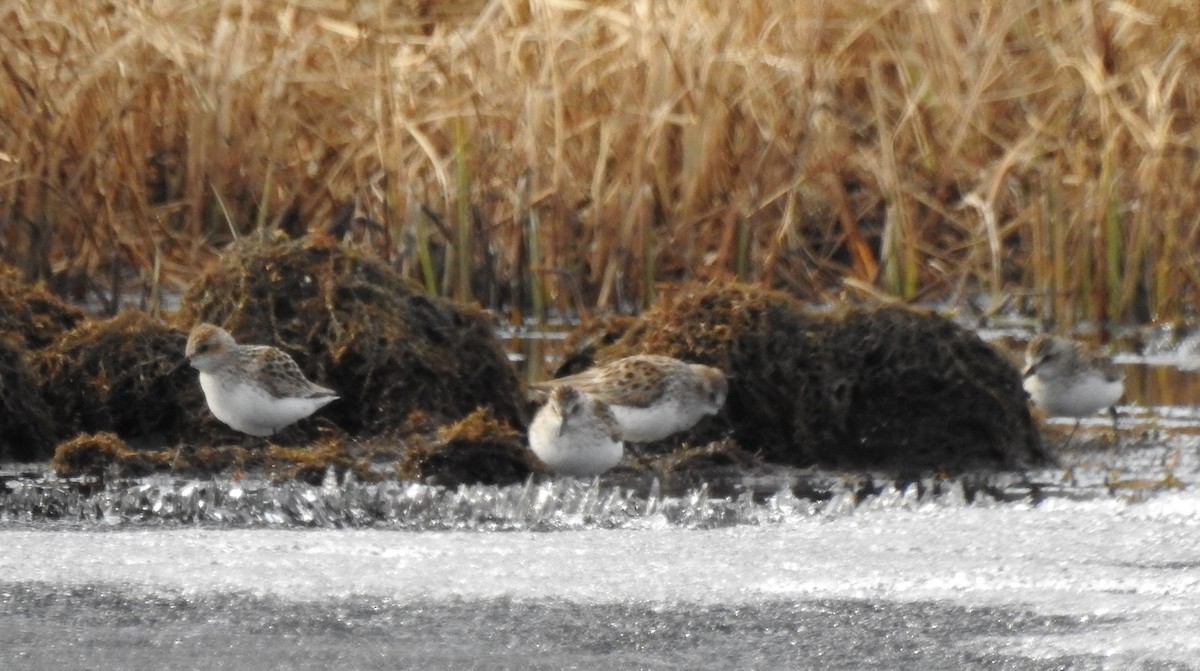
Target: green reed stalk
{"type": "Point", "coordinates": [1161, 296]}
{"type": "Point", "coordinates": [742, 262]}
{"type": "Point", "coordinates": [420, 229]}
{"type": "Point", "coordinates": [225, 212]}
{"type": "Point", "coordinates": [1114, 248]}
{"type": "Point", "coordinates": [462, 195]}
{"type": "Point", "coordinates": [891, 269]}
{"type": "Point", "coordinates": [1087, 279]}
{"type": "Point", "coordinates": [649, 268]}
{"type": "Point", "coordinates": [154, 307]}
{"type": "Point", "coordinates": [912, 271]}
{"type": "Point", "coordinates": [1053, 258]}
{"type": "Point", "coordinates": [264, 201]}
{"type": "Point", "coordinates": [1038, 244]}
{"type": "Point", "coordinates": [534, 347]}
{"type": "Point", "coordinates": [536, 295]}
{"type": "Point", "coordinates": [899, 271]}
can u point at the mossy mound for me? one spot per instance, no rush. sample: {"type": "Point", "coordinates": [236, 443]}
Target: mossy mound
{"type": "Point", "coordinates": [119, 375]}
{"type": "Point", "coordinates": [97, 454]}
{"type": "Point", "coordinates": [105, 453]}
{"type": "Point", "coordinates": [309, 464]}
{"type": "Point", "coordinates": [719, 467]}
{"type": "Point", "coordinates": [932, 393]}
{"type": "Point", "coordinates": [30, 316]}
{"type": "Point", "coordinates": [206, 460]}
{"type": "Point", "coordinates": [479, 449]}
{"type": "Point", "coordinates": [583, 343]}
{"type": "Point", "coordinates": [358, 327]}
{"type": "Point", "coordinates": [26, 423]}
{"type": "Point", "coordinates": [718, 454]}
{"type": "Point", "coordinates": [859, 388]}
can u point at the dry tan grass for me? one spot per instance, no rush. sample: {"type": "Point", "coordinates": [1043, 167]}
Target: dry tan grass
{"type": "Point", "coordinates": [1045, 148]}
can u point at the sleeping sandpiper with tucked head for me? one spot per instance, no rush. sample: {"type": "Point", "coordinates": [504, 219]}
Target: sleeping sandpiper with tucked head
{"type": "Point", "coordinates": [575, 434]}
{"type": "Point", "coordinates": [256, 389]}
{"type": "Point", "coordinates": [1065, 380]}
{"type": "Point", "coordinates": [651, 396]}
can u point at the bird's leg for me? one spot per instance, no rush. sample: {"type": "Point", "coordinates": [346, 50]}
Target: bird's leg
{"type": "Point", "coordinates": [178, 453]}
{"type": "Point", "coordinates": [1072, 434]}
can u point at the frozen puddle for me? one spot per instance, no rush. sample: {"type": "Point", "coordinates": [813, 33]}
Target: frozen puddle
{"type": "Point", "coordinates": [1100, 583]}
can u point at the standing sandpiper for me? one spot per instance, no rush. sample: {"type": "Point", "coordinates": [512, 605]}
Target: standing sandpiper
{"type": "Point", "coordinates": [575, 434]}
{"type": "Point", "coordinates": [651, 396]}
{"type": "Point", "coordinates": [256, 389]}
{"type": "Point", "coordinates": [1065, 380]}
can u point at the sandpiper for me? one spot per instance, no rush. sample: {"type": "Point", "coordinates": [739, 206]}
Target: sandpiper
{"type": "Point", "coordinates": [1065, 380]}
{"type": "Point", "coordinates": [575, 434]}
{"type": "Point", "coordinates": [651, 396]}
{"type": "Point", "coordinates": [256, 389]}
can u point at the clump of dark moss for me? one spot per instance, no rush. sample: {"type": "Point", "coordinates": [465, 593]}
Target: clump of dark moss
{"type": "Point", "coordinates": [309, 464]}
{"type": "Point", "coordinates": [209, 459]}
{"type": "Point", "coordinates": [583, 343]}
{"type": "Point", "coordinates": [120, 375]}
{"type": "Point", "coordinates": [478, 449]}
{"type": "Point", "coordinates": [31, 317]}
{"type": "Point", "coordinates": [206, 460]}
{"type": "Point", "coordinates": [719, 454]}
{"type": "Point", "coordinates": [358, 327]}
{"type": "Point", "coordinates": [719, 467]}
{"type": "Point", "coordinates": [931, 393]}
{"type": "Point", "coordinates": [97, 454]}
{"type": "Point", "coordinates": [885, 387]}
{"type": "Point", "coordinates": [26, 423]}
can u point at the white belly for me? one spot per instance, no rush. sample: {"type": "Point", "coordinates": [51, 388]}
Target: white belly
{"type": "Point", "coordinates": [646, 425]}
{"type": "Point", "coordinates": [251, 410]}
{"type": "Point", "coordinates": [579, 451]}
{"type": "Point", "coordinates": [1077, 398]}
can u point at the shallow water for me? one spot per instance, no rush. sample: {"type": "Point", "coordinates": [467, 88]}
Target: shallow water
{"type": "Point", "coordinates": [1091, 565]}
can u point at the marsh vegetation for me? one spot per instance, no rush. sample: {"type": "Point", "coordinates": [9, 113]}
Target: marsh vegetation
{"type": "Point", "coordinates": [539, 155]}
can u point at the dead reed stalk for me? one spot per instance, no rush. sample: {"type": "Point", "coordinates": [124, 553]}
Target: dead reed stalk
{"type": "Point", "coordinates": [921, 149]}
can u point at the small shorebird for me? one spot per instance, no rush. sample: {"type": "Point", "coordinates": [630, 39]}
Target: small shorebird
{"type": "Point", "coordinates": [575, 434]}
{"type": "Point", "coordinates": [256, 389]}
{"type": "Point", "coordinates": [651, 396]}
{"type": "Point", "coordinates": [1065, 380]}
